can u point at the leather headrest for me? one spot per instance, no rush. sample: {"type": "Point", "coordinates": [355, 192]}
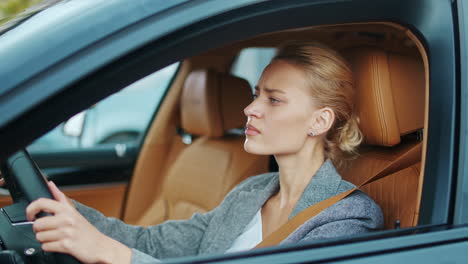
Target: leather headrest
{"type": "Point", "coordinates": [390, 91]}
{"type": "Point", "coordinates": [213, 103]}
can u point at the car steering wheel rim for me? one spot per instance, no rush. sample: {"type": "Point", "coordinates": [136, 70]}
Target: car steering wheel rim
{"type": "Point", "coordinates": [26, 182]}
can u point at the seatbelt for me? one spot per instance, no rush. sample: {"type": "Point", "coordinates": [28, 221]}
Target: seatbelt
{"type": "Point", "coordinates": [407, 159]}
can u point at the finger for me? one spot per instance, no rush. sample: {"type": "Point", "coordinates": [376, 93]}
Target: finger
{"type": "Point", "coordinates": [49, 236]}
{"type": "Point", "coordinates": [42, 204]}
{"type": "Point", "coordinates": [60, 246]}
{"type": "Point", "coordinates": [51, 222]}
{"type": "Point", "coordinates": [58, 195]}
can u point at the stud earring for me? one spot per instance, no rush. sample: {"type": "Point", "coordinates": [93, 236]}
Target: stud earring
{"type": "Point", "coordinates": [312, 133]}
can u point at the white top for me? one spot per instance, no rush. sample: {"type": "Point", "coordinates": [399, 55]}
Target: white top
{"type": "Point", "coordinates": [251, 236]}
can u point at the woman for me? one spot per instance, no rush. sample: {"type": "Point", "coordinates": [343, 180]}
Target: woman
{"type": "Point", "coordinates": [302, 113]}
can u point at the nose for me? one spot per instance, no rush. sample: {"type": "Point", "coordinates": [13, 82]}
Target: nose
{"type": "Point", "coordinates": [252, 110]}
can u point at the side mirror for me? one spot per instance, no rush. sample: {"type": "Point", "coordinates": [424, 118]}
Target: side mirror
{"type": "Point", "coordinates": [74, 126]}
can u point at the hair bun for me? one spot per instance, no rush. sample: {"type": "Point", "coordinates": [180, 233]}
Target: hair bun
{"type": "Point", "coordinates": [350, 136]}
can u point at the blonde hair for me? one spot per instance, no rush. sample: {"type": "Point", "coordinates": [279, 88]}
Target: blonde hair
{"type": "Point", "coordinates": [332, 85]}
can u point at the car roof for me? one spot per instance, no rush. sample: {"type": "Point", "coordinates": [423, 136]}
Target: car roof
{"type": "Point", "coordinates": [63, 29]}
{"type": "Point", "coordinates": [52, 35]}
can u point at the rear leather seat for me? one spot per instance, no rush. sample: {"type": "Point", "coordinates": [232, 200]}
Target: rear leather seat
{"type": "Point", "coordinates": [390, 94]}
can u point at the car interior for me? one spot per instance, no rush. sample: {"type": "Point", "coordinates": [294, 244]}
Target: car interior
{"type": "Point", "coordinates": [206, 104]}
{"type": "Point", "coordinates": [192, 154]}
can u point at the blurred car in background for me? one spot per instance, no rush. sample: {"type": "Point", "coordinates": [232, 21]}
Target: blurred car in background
{"type": "Point", "coordinates": [120, 119]}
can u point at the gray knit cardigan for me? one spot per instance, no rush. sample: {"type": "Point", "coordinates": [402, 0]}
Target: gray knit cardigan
{"type": "Point", "coordinates": [215, 231]}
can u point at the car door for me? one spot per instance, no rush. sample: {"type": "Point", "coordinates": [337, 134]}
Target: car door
{"type": "Point", "coordinates": [436, 231]}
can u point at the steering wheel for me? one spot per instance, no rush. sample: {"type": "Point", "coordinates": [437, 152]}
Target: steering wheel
{"type": "Point", "coordinates": [26, 183]}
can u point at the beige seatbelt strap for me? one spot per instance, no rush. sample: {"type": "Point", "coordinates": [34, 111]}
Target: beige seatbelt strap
{"type": "Point", "coordinates": [407, 159]}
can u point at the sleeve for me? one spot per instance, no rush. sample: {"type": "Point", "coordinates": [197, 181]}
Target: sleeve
{"type": "Point", "coordinates": [169, 239]}
{"type": "Point", "coordinates": [174, 238]}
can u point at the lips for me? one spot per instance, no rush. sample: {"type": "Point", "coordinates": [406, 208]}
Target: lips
{"type": "Point", "coordinates": [251, 131]}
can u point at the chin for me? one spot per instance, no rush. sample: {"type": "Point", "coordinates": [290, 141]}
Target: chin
{"type": "Point", "coordinates": [250, 147]}
{"type": "Point", "coordinates": [256, 149]}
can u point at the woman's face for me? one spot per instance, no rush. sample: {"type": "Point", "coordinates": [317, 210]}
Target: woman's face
{"type": "Point", "coordinates": [281, 114]}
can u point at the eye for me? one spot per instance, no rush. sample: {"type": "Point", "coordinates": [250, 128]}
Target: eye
{"type": "Point", "coordinates": [274, 100]}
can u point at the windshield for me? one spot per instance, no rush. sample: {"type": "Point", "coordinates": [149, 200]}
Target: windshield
{"type": "Point", "coordinates": [14, 12]}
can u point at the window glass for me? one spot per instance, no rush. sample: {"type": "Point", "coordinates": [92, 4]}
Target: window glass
{"type": "Point", "coordinates": [120, 118]}
{"type": "Point", "coordinates": [251, 62]}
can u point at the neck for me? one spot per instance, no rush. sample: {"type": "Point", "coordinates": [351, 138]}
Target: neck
{"type": "Point", "coordinates": [296, 170]}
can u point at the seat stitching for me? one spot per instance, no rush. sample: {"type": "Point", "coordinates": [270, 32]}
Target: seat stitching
{"type": "Point", "coordinates": [380, 109]}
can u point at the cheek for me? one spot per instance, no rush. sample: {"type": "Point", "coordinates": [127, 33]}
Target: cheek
{"type": "Point", "coordinates": [287, 123]}
{"type": "Point", "coordinates": [285, 132]}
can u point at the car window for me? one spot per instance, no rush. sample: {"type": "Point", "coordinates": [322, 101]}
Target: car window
{"type": "Point", "coordinates": [251, 62]}
{"type": "Point", "coordinates": [120, 118]}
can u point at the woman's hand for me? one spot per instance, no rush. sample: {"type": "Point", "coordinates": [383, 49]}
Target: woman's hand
{"type": "Point", "coordinates": [67, 231]}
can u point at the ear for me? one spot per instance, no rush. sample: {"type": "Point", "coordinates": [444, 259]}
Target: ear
{"type": "Point", "coordinates": [322, 121]}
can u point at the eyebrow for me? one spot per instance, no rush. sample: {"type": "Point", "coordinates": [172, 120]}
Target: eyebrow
{"type": "Point", "coordinates": [270, 90]}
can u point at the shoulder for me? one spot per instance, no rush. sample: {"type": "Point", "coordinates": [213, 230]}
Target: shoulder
{"type": "Point", "coordinates": [357, 204]}
{"type": "Point", "coordinates": [355, 214]}
{"type": "Point", "coordinates": [344, 186]}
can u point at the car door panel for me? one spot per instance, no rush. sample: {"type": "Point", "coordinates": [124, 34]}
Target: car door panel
{"type": "Point", "coordinates": [436, 246]}
{"type": "Point", "coordinates": [106, 198]}
{"type": "Point", "coordinates": [100, 156]}
{"type": "Point", "coordinates": [5, 198]}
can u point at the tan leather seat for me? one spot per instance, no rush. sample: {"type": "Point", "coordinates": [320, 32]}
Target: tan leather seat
{"type": "Point", "coordinates": [390, 92]}
{"type": "Point", "coordinates": [206, 170]}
